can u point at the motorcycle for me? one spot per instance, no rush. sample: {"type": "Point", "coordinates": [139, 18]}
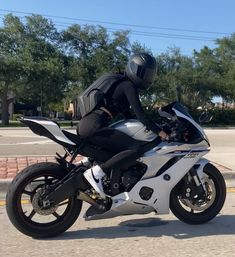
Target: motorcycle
{"type": "Point", "coordinates": [168, 175]}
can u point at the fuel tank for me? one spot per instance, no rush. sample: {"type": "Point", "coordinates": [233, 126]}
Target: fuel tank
{"type": "Point", "coordinates": [135, 129]}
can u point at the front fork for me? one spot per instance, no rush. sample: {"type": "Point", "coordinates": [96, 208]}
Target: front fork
{"type": "Point", "coordinates": [199, 168]}
{"type": "Point", "coordinates": [197, 177]}
{"type": "Point", "coordinates": [200, 186]}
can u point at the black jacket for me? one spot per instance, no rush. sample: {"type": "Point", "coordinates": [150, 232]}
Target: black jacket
{"type": "Point", "coordinates": [124, 96]}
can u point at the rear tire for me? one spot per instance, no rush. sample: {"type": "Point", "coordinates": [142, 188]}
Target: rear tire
{"type": "Point", "coordinates": [27, 184]}
{"type": "Point", "coordinates": [177, 206]}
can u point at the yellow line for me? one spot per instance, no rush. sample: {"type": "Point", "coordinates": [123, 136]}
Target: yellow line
{"type": "Point", "coordinates": [231, 190]}
{"type": "Point", "coordinates": [25, 201]}
{"type": "Point", "coordinates": [3, 202]}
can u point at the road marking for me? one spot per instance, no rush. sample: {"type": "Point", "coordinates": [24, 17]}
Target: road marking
{"type": "Point", "coordinates": [231, 190]}
{"type": "Point", "coordinates": [30, 143]}
{"type": "Point", "coordinates": [3, 202]}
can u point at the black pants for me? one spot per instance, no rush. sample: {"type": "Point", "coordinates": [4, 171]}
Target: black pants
{"type": "Point", "coordinates": [123, 148]}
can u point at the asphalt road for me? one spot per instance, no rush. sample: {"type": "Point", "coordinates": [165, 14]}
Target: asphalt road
{"type": "Point", "coordinates": [18, 142]}
{"type": "Point", "coordinates": [135, 235]}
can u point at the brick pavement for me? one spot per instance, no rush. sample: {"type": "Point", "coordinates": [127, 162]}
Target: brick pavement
{"type": "Point", "coordinates": [10, 166]}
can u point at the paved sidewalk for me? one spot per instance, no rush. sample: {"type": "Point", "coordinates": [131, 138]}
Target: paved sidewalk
{"type": "Point", "coordinates": [10, 166]}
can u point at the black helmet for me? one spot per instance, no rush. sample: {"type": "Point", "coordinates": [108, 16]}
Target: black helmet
{"type": "Point", "coordinates": [141, 69]}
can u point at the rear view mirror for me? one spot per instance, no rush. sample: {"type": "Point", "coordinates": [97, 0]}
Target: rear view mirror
{"type": "Point", "coordinates": [165, 114]}
{"type": "Point", "coordinates": [205, 117]}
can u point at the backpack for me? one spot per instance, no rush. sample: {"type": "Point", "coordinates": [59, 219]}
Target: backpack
{"type": "Point", "coordinates": [96, 93]}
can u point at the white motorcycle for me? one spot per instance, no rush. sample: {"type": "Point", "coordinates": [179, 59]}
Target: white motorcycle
{"type": "Point", "coordinates": [45, 199]}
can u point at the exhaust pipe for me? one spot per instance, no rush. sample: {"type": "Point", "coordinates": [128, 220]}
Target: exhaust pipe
{"type": "Point", "coordinates": [84, 197]}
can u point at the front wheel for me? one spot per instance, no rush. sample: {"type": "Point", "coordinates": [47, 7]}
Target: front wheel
{"type": "Point", "coordinates": [25, 208]}
{"type": "Point", "coordinates": [198, 211]}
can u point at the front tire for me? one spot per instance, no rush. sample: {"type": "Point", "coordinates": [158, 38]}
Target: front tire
{"type": "Point", "coordinates": [23, 202]}
{"type": "Point", "coordinates": [186, 212]}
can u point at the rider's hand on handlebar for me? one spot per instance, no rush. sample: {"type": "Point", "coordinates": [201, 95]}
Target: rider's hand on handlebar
{"type": "Point", "coordinates": [163, 135]}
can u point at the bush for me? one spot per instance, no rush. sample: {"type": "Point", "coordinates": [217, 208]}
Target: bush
{"type": "Point", "coordinates": [17, 116]}
{"type": "Point", "coordinates": [224, 117]}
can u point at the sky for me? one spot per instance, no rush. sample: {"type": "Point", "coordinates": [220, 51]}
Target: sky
{"type": "Point", "coordinates": [159, 24]}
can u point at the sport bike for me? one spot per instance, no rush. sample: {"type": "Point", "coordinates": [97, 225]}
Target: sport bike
{"type": "Point", "coordinates": [45, 199]}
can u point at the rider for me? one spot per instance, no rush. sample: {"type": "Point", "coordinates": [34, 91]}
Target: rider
{"type": "Point", "coordinates": [139, 73]}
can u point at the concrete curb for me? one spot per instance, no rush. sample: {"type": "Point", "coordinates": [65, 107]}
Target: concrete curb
{"type": "Point", "coordinates": [228, 176]}
{"type": "Point", "coordinates": [4, 185]}
{"type": "Point", "coordinates": [229, 179]}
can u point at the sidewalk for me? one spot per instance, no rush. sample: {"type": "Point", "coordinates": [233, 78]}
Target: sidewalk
{"type": "Point", "coordinates": [10, 166]}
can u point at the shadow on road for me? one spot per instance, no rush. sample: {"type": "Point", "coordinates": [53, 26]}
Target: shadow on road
{"type": "Point", "coordinates": [155, 227]}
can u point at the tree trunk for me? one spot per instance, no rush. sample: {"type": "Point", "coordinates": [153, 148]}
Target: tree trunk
{"type": "Point", "coordinates": [5, 105]}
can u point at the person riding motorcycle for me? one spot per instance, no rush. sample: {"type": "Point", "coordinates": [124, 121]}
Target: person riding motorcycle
{"type": "Point", "coordinates": [139, 75]}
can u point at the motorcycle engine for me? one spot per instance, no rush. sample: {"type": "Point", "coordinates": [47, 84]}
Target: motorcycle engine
{"type": "Point", "coordinates": [132, 175]}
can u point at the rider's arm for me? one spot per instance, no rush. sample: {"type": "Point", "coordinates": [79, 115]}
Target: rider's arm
{"type": "Point", "coordinates": [133, 98]}
{"type": "Point", "coordinates": [127, 114]}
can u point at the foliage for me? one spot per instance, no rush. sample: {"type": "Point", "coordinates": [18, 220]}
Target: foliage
{"type": "Point", "coordinates": [47, 68]}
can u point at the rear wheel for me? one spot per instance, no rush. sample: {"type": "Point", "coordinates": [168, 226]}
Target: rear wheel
{"type": "Point", "coordinates": [200, 210]}
{"type": "Point", "coordinates": [27, 211]}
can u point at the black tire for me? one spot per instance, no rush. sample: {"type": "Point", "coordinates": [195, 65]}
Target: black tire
{"type": "Point", "coordinates": [204, 216]}
{"type": "Point", "coordinates": [14, 206]}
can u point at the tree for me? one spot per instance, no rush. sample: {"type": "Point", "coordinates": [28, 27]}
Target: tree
{"type": "Point", "coordinates": [46, 67]}
{"type": "Point", "coordinates": [10, 62]}
{"type": "Point", "coordinates": [225, 53]}
{"type": "Point", "coordinates": [215, 68]}
{"type": "Point", "coordinates": [95, 51]}
{"type": "Point", "coordinates": [32, 63]}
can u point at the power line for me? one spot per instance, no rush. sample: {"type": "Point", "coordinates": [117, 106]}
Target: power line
{"type": "Point", "coordinates": [120, 24]}
{"type": "Point", "coordinates": [142, 33]}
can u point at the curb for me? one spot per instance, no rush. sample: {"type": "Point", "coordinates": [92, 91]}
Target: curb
{"type": "Point", "coordinates": [4, 185]}
{"type": "Point", "coordinates": [229, 178]}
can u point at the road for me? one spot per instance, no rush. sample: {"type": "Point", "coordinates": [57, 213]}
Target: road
{"type": "Point", "coordinates": [137, 235]}
{"type": "Point", "coordinates": [22, 141]}
{"type": "Point", "coordinates": [15, 142]}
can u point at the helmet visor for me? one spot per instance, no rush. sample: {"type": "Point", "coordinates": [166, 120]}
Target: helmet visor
{"type": "Point", "coordinates": [146, 74]}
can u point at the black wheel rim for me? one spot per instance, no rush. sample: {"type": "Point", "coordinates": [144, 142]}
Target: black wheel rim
{"type": "Point", "coordinates": [30, 214]}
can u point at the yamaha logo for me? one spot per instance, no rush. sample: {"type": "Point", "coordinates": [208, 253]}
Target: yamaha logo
{"type": "Point", "coordinates": [191, 155]}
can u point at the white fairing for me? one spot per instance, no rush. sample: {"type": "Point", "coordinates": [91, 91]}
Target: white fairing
{"type": "Point", "coordinates": [53, 129]}
{"type": "Point", "coordinates": [159, 178]}
{"type": "Point", "coordinates": [135, 129]}
{"type": "Point", "coordinates": [161, 184]}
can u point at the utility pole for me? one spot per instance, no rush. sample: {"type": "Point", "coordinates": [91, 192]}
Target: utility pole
{"type": "Point", "coordinates": [177, 86]}
{"type": "Point", "coordinates": [178, 93]}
